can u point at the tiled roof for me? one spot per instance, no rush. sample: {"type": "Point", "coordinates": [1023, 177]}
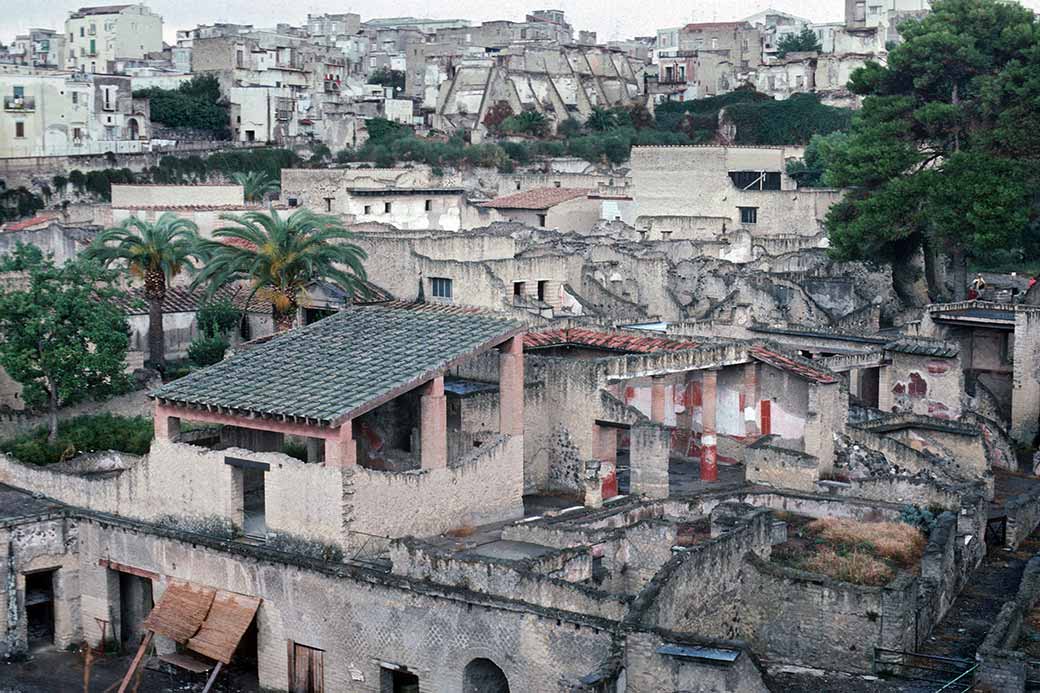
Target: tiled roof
{"type": "Point", "coordinates": [576, 336]}
{"type": "Point", "coordinates": [339, 367]}
{"type": "Point", "coordinates": [790, 364]}
{"type": "Point", "coordinates": [28, 223]}
{"type": "Point", "coordinates": [539, 198]}
{"type": "Point", "coordinates": [180, 299]}
{"type": "Point", "coordinates": [923, 347]}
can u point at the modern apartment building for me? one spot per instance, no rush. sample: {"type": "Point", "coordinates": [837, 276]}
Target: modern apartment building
{"type": "Point", "coordinates": [97, 35]}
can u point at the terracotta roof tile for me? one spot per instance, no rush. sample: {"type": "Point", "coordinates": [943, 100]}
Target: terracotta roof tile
{"type": "Point", "coordinates": [576, 336]}
{"type": "Point", "coordinates": [792, 365]}
{"type": "Point", "coordinates": [28, 223]}
{"type": "Point", "coordinates": [180, 299]}
{"type": "Point", "coordinates": [539, 198]}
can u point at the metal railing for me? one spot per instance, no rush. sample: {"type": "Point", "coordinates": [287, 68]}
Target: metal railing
{"type": "Point", "coordinates": [19, 103]}
{"type": "Point", "coordinates": [917, 666]}
{"type": "Point", "coordinates": [960, 684]}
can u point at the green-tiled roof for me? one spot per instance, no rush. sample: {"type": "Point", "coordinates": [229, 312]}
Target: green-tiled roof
{"type": "Point", "coordinates": [326, 371]}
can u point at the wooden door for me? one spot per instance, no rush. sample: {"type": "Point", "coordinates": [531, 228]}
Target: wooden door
{"type": "Point", "coordinates": [306, 669]}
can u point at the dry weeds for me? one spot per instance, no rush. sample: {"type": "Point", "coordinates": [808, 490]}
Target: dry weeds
{"type": "Point", "coordinates": [895, 541]}
{"type": "Point", "coordinates": [857, 567]}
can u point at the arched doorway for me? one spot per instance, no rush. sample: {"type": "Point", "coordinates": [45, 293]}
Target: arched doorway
{"type": "Point", "coordinates": [132, 123]}
{"type": "Point", "coordinates": [484, 676]}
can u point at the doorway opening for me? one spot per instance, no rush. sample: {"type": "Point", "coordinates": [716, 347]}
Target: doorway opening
{"type": "Point", "coordinates": [253, 503]}
{"type": "Point", "coordinates": [135, 603]}
{"type": "Point", "coordinates": [398, 680]}
{"type": "Point", "coordinates": [39, 607]}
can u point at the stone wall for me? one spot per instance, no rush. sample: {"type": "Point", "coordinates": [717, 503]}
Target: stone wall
{"type": "Point", "coordinates": [31, 545]}
{"type": "Point", "coordinates": [522, 580]}
{"type": "Point", "coordinates": [925, 385]}
{"type": "Point", "coordinates": [779, 467]}
{"type": "Point", "coordinates": [1025, 400]}
{"type": "Point", "coordinates": [1002, 666]}
{"type": "Point", "coordinates": [133, 196]}
{"type": "Point", "coordinates": [1023, 515]}
{"type": "Point", "coordinates": [358, 617]}
{"type": "Point", "coordinates": [486, 486]}
{"type": "Point", "coordinates": [647, 671]}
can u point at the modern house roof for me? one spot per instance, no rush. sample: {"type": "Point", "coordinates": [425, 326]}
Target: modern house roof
{"type": "Point", "coordinates": [339, 367]}
{"type": "Point", "coordinates": [539, 198]}
{"type": "Point", "coordinates": [100, 9]}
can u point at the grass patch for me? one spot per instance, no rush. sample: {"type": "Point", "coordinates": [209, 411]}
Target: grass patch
{"type": "Point", "coordinates": [862, 553]}
{"type": "Point", "coordinates": [83, 434]}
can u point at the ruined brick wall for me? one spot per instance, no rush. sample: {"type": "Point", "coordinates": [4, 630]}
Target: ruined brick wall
{"type": "Point", "coordinates": [511, 579]}
{"type": "Point", "coordinates": [185, 480]}
{"type": "Point", "coordinates": [359, 618]}
{"type": "Point", "coordinates": [32, 546]}
{"type": "Point", "coordinates": [926, 385]}
{"type": "Point", "coordinates": [1025, 400]}
{"type": "Point", "coordinates": [781, 468]}
{"type": "Point", "coordinates": [485, 487]}
{"type": "Point", "coordinates": [646, 670]}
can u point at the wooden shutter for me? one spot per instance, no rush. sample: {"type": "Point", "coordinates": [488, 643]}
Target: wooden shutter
{"type": "Point", "coordinates": [306, 669]}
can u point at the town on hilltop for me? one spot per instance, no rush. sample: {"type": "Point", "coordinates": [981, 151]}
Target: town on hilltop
{"type": "Point", "coordinates": [431, 355]}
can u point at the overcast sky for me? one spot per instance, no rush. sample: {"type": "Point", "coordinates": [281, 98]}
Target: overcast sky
{"type": "Point", "coordinates": [611, 18]}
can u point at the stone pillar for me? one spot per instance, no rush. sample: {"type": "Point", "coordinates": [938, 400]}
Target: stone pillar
{"type": "Point", "coordinates": [433, 445]}
{"type": "Point", "coordinates": [709, 443]}
{"type": "Point", "coordinates": [751, 400]}
{"type": "Point", "coordinates": [511, 387]}
{"type": "Point", "coordinates": [657, 399]}
{"type": "Point", "coordinates": [341, 448]}
{"type": "Point", "coordinates": [651, 444]}
{"type": "Point", "coordinates": [166, 427]}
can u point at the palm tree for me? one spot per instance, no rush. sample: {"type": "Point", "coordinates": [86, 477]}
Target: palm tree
{"type": "Point", "coordinates": [155, 252]}
{"type": "Point", "coordinates": [280, 256]}
{"type": "Point", "coordinates": [601, 120]}
{"type": "Point", "coordinates": [256, 185]}
{"type": "Point", "coordinates": [532, 123]}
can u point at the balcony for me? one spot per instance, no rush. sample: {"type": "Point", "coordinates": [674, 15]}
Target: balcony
{"type": "Point", "coordinates": [19, 103]}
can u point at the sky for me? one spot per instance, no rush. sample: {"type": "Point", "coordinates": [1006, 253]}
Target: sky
{"type": "Point", "coordinates": [610, 18]}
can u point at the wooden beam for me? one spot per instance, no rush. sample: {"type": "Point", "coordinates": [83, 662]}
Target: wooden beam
{"type": "Point", "coordinates": [212, 677]}
{"type": "Point", "coordinates": [123, 568]}
{"type": "Point", "coordinates": [138, 658]}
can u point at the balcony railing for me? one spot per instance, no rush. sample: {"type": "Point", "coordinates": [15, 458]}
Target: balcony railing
{"type": "Point", "coordinates": [19, 103]}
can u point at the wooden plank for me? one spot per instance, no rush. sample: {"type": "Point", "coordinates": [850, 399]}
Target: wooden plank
{"type": "Point", "coordinates": [138, 658]}
{"type": "Point", "coordinates": [247, 464]}
{"type": "Point", "coordinates": [123, 568]}
{"type": "Point", "coordinates": [317, 671]}
{"type": "Point", "coordinates": [212, 677]}
{"type": "Point", "coordinates": [227, 621]}
{"type": "Point", "coordinates": [181, 611]}
{"type": "Point", "coordinates": [292, 663]}
{"type": "Point", "coordinates": [187, 662]}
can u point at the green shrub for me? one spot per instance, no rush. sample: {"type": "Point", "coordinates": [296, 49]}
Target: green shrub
{"type": "Point", "coordinates": [83, 434]}
{"type": "Point", "coordinates": [296, 450]}
{"type": "Point", "coordinates": [205, 351]}
{"type": "Point", "coordinates": [218, 318]}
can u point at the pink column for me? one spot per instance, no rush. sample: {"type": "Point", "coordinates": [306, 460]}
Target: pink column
{"type": "Point", "coordinates": [341, 449]}
{"type": "Point", "coordinates": [709, 444]}
{"type": "Point", "coordinates": [751, 399]}
{"type": "Point", "coordinates": [166, 426]}
{"type": "Point", "coordinates": [511, 387]}
{"type": "Point", "coordinates": [657, 399]}
{"type": "Point", "coordinates": [434, 425]}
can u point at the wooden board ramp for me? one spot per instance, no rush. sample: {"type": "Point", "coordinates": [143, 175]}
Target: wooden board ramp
{"type": "Point", "coordinates": [204, 620]}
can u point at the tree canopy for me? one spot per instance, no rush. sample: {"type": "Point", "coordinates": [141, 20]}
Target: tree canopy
{"type": "Point", "coordinates": [194, 104]}
{"type": "Point", "coordinates": [805, 41]}
{"type": "Point", "coordinates": [941, 157]}
{"type": "Point", "coordinates": [62, 338]}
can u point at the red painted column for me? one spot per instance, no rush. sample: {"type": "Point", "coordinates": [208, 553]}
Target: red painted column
{"type": "Point", "coordinates": [434, 426]}
{"type": "Point", "coordinates": [511, 388]}
{"type": "Point", "coordinates": [657, 399]}
{"type": "Point", "coordinates": [709, 445]}
{"type": "Point", "coordinates": [341, 448]}
{"type": "Point", "coordinates": [605, 440]}
{"type": "Point", "coordinates": [750, 399]}
{"type": "Point", "coordinates": [166, 427]}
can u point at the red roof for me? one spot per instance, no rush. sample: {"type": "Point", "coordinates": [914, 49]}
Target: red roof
{"type": "Point", "coordinates": [798, 367]}
{"type": "Point", "coordinates": [539, 198]}
{"type": "Point", "coordinates": [29, 223]}
{"type": "Point", "coordinates": [238, 242]}
{"type": "Point", "coordinates": [576, 336]}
